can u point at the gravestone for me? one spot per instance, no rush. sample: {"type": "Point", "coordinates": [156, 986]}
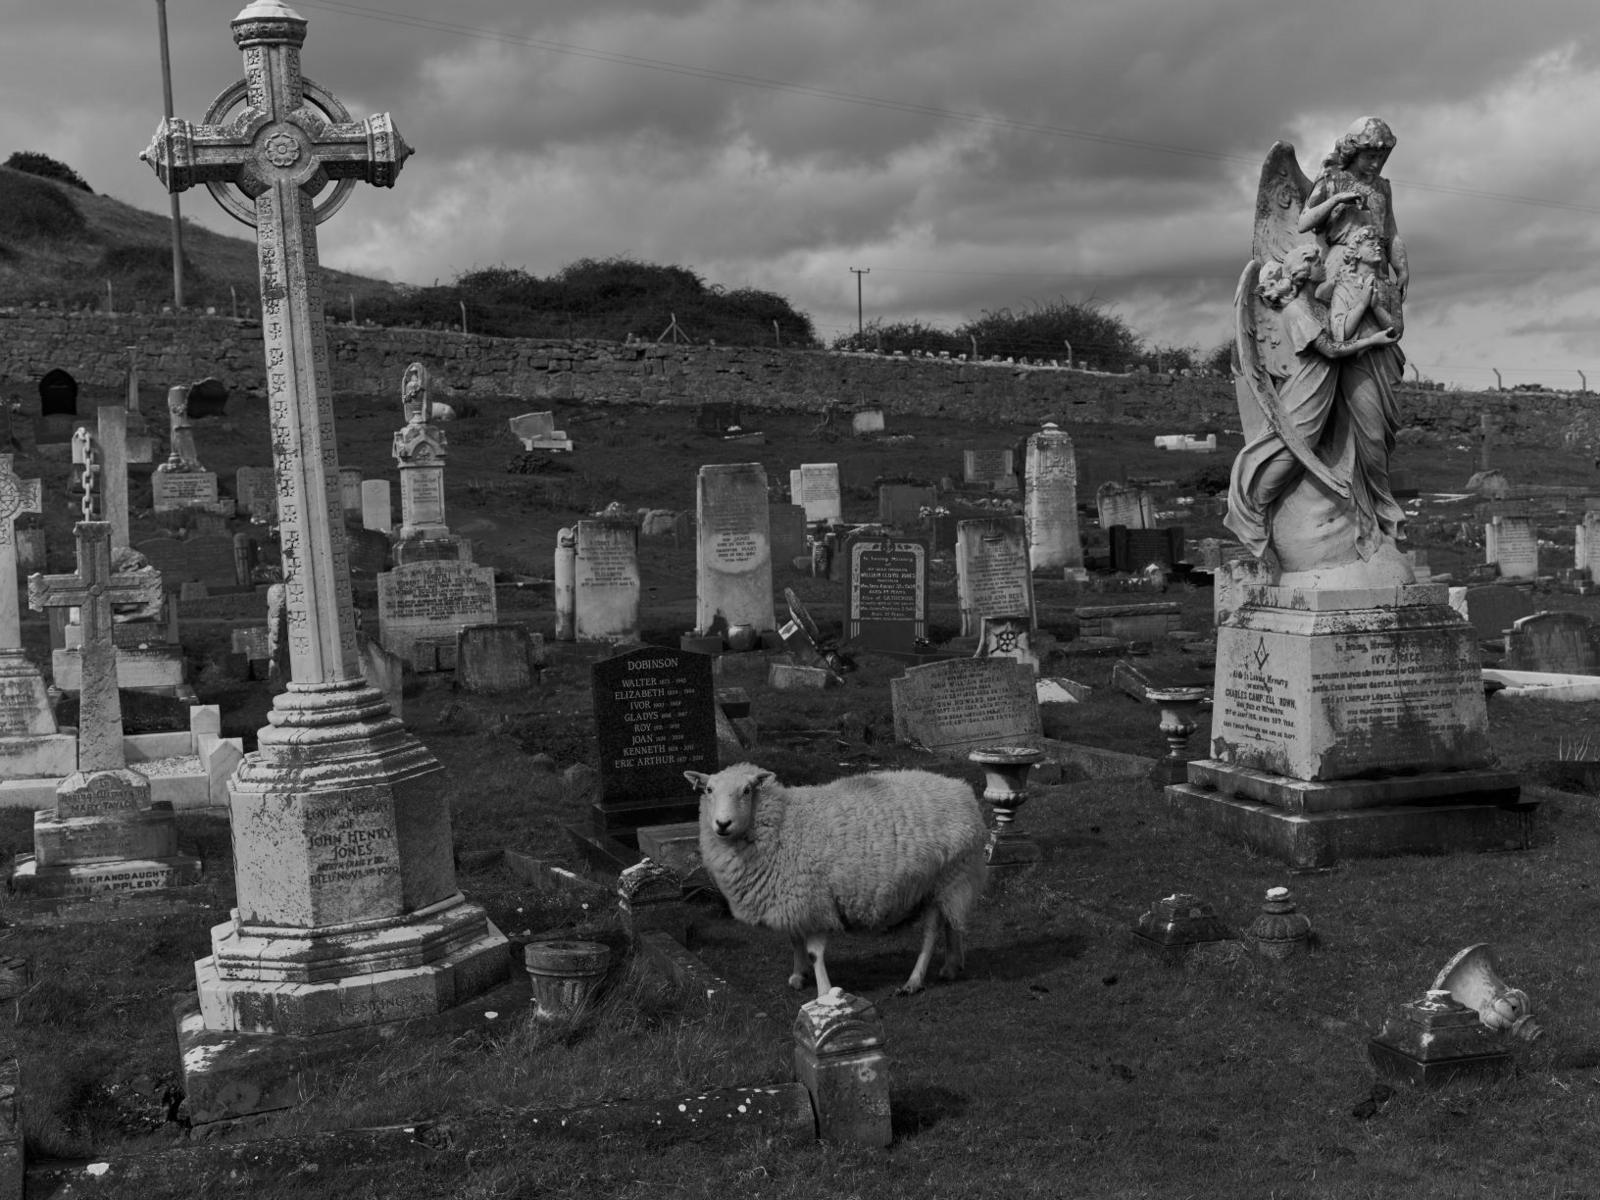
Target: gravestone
{"type": "Point", "coordinates": [815, 488]}
{"type": "Point", "coordinates": [655, 718]}
{"type": "Point", "coordinates": [786, 525]}
{"type": "Point", "coordinates": [1565, 643]}
{"type": "Point", "coordinates": [30, 745]}
{"type": "Point", "coordinates": [352, 865]}
{"type": "Point", "coordinates": [181, 482]}
{"type": "Point", "coordinates": [537, 431]}
{"type": "Point", "coordinates": [886, 594]}
{"type": "Point", "coordinates": [206, 558]}
{"type": "Point", "coordinates": [1130, 622]}
{"type": "Point", "coordinates": [1512, 543]}
{"type": "Point", "coordinates": [104, 834]}
{"type": "Point", "coordinates": [993, 469]}
{"type": "Point", "coordinates": [716, 418]}
{"type": "Point", "coordinates": [901, 505]}
{"type": "Point", "coordinates": [207, 398]}
{"type": "Point", "coordinates": [1125, 504]}
{"type": "Point", "coordinates": [377, 514]}
{"type": "Point", "coordinates": [1492, 609]}
{"type": "Point", "coordinates": [866, 421]}
{"type": "Point", "coordinates": [58, 394]}
{"type": "Point", "coordinates": [733, 576]}
{"type": "Point", "coordinates": [967, 704]}
{"type": "Point", "coordinates": [256, 491]}
{"type": "Point", "coordinates": [350, 492]}
{"type": "Point", "coordinates": [992, 573]}
{"type": "Point", "coordinates": [1051, 501]}
{"type": "Point", "coordinates": [492, 659]}
{"type": "Point", "coordinates": [423, 606]}
{"type": "Point", "coordinates": [1008, 637]}
{"type": "Point", "coordinates": [1132, 550]}
{"type": "Point", "coordinates": [606, 581]}
{"type": "Point", "coordinates": [420, 449]}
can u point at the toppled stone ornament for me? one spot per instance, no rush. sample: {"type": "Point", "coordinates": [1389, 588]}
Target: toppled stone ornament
{"type": "Point", "coordinates": [1179, 921]}
{"type": "Point", "coordinates": [1280, 931]}
{"type": "Point", "coordinates": [1472, 978]}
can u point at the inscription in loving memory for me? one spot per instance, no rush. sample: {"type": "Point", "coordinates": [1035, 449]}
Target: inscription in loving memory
{"type": "Point", "coordinates": [998, 577]}
{"type": "Point", "coordinates": [606, 563]}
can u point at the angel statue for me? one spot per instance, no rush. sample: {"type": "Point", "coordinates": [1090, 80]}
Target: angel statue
{"type": "Point", "coordinates": [1318, 319]}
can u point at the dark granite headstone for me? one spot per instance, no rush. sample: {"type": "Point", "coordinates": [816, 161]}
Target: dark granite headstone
{"type": "Point", "coordinates": [208, 398]}
{"type": "Point", "coordinates": [1135, 549]}
{"type": "Point", "coordinates": [58, 394]}
{"type": "Point", "coordinates": [655, 718]}
{"type": "Point", "coordinates": [1566, 643]}
{"type": "Point", "coordinates": [369, 552]}
{"type": "Point", "coordinates": [886, 594]}
{"type": "Point", "coordinates": [716, 418]}
{"type": "Point", "coordinates": [494, 658]}
{"type": "Point", "coordinates": [207, 558]}
{"type": "Point", "coordinates": [1494, 608]}
{"type": "Point", "coordinates": [900, 505]}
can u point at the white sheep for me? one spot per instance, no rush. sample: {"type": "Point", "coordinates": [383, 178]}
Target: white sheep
{"type": "Point", "coordinates": [864, 852]}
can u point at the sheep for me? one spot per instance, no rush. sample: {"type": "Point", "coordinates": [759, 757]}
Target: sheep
{"type": "Point", "coordinates": [864, 852]}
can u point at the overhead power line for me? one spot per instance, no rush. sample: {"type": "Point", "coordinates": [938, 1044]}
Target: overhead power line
{"type": "Point", "coordinates": [369, 12]}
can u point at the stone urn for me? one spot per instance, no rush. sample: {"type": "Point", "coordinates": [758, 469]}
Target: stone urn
{"type": "Point", "coordinates": [566, 975]}
{"type": "Point", "coordinates": [1005, 771]}
{"type": "Point", "coordinates": [1280, 931]}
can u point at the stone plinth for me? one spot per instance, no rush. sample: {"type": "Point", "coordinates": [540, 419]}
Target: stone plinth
{"type": "Point", "coordinates": [1351, 724]}
{"type": "Point", "coordinates": [839, 1056]}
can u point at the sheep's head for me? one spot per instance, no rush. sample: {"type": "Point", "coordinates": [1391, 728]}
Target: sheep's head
{"type": "Point", "coordinates": [728, 798]}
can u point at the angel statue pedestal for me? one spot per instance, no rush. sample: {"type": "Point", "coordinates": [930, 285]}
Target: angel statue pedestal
{"type": "Point", "coordinates": [1348, 717]}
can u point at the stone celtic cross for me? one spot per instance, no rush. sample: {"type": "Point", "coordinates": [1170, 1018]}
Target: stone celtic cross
{"type": "Point", "coordinates": [288, 139]}
{"type": "Point", "coordinates": [17, 496]}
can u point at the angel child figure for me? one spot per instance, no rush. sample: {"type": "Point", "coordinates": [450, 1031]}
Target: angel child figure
{"type": "Point", "coordinates": [1351, 193]}
{"type": "Point", "coordinates": [1360, 287]}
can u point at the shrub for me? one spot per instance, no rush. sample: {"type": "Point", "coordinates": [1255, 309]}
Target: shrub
{"type": "Point", "coordinates": [30, 162]}
{"type": "Point", "coordinates": [30, 208]}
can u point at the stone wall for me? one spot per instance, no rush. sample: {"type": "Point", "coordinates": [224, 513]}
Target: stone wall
{"type": "Point", "coordinates": [369, 361]}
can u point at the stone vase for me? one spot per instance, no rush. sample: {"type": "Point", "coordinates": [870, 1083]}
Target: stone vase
{"type": "Point", "coordinates": [566, 975]}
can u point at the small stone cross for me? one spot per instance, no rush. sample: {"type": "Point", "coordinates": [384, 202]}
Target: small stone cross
{"type": "Point", "coordinates": [17, 496]}
{"type": "Point", "coordinates": [92, 590]}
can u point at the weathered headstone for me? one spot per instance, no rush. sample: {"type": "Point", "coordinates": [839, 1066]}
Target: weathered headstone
{"type": "Point", "coordinates": [1130, 622]}
{"type": "Point", "coordinates": [717, 417]}
{"type": "Point", "coordinates": [606, 581]}
{"type": "Point", "coordinates": [377, 513]}
{"type": "Point", "coordinates": [815, 488]}
{"type": "Point", "coordinates": [1133, 550]}
{"type": "Point", "coordinates": [350, 492]}
{"type": "Point", "coordinates": [422, 606]}
{"type": "Point", "coordinates": [1125, 504]}
{"type": "Point", "coordinates": [786, 524]}
{"type": "Point", "coordinates": [1512, 543]}
{"type": "Point", "coordinates": [655, 717]}
{"type": "Point", "coordinates": [995, 469]}
{"type": "Point", "coordinates": [537, 431]}
{"type": "Point", "coordinates": [733, 578]}
{"type": "Point", "coordinates": [1051, 501]}
{"type": "Point", "coordinates": [1565, 643]}
{"type": "Point", "coordinates": [992, 573]}
{"type": "Point", "coordinates": [886, 594]}
{"type": "Point", "coordinates": [256, 490]}
{"type": "Point", "coordinates": [1493, 608]}
{"type": "Point", "coordinates": [494, 658]}
{"type": "Point", "coordinates": [966, 704]}
{"type": "Point", "coordinates": [353, 859]}
{"type": "Point", "coordinates": [181, 482]}
{"type": "Point", "coordinates": [103, 835]}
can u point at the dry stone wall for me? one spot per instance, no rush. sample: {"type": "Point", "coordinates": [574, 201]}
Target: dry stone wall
{"type": "Point", "coordinates": [367, 360]}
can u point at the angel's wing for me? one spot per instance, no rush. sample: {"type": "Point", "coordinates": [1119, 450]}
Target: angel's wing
{"type": "Point", "coordinates": [1255, 386]}
{"type": "Point", "coordinates": [1280, 196]}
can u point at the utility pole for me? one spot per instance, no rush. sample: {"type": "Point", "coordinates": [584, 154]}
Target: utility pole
{"type": "Point", "coordinates": [172, 197]}
{"type": "Point", "coordinates": [858, 272]}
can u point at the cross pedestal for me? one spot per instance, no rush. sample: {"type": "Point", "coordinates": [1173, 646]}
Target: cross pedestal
{"type": "Point", "coordinates": [104, 834]}
{"type": "Point", "coordinates": [348, 912]}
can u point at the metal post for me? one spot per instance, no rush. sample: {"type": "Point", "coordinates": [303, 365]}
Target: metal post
{"type": "Point", "coordinates": [858, 272]}
{"type": "Point", "coordinates": [172, 197]}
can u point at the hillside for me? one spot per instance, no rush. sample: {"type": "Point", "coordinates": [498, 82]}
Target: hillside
{"type": "Point", "coordinates": [62, 245]}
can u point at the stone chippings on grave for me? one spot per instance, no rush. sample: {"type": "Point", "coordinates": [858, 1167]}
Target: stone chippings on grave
{"type": "Point", "coordinates": [1051, 501]}
{"type": "Point", "coordinates": [655, 717]}
{"type": "Point", "coordinates": [886, 594]}
{"type": "Point", "coordinates": [1124, 504]}
{"type": "Point", "coordinates": [422, 606]}
{"type": "Point", "coordinates": [606, 581]}
{"type": "Point", "coordinates": [104, 833]}
{"type": "Point", "coordinates": [1348, 723]}
{"type": "Point", "coordinates": [967, 704]}
{"type": "Point", "coordinates": [348, 913]}
{"type": "Point", "coordinates": [992, 571]}
{"type": "Point", "coordinates": [733, 576]}
{"type": "Point", "coordinates": [815, 488]}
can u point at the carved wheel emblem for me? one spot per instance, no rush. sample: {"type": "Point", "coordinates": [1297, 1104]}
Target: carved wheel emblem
{"type": "Point", "coordinates": [282, 150]}
{"type": "Point", "coordinates": [1005, 640]}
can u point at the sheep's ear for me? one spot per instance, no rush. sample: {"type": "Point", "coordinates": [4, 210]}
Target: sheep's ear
{"type": "Point", "coordinates": [761, 779]}
{"type": "Point", "coordinates": [697, 780]}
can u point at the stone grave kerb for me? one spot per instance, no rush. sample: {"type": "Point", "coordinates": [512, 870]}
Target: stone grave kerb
{"type": "Point", "coordinates": [335, 768]}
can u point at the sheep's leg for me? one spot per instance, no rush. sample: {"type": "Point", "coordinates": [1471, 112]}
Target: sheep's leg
{"type": "Point", "coordinates": [802, 964]}
{"type": "Point", "coordinates": [955, 951]}
{"type": "Point", "coordinates": [930, 935]}
{"type": "Point", "coordinates": [816, 943]}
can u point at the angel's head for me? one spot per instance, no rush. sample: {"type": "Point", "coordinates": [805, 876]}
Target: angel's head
{"type": "Point", "coordinates": [1280, 281]}
{"type": "Point", "coordinates": [1364, 147]}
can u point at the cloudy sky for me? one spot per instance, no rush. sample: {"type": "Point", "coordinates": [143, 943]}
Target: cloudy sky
{"type": "Point", "coordinates": [969, 155]}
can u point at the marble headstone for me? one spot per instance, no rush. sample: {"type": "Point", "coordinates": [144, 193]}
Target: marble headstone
{"type": "Point", "coordinates": [606, 581]}
{"type": "Point", "coordinates": [992, 573]}
{"type": "Point", "coordinates": [733, 577]}
{"type": "Point", "coordinates": [1051, 501]}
